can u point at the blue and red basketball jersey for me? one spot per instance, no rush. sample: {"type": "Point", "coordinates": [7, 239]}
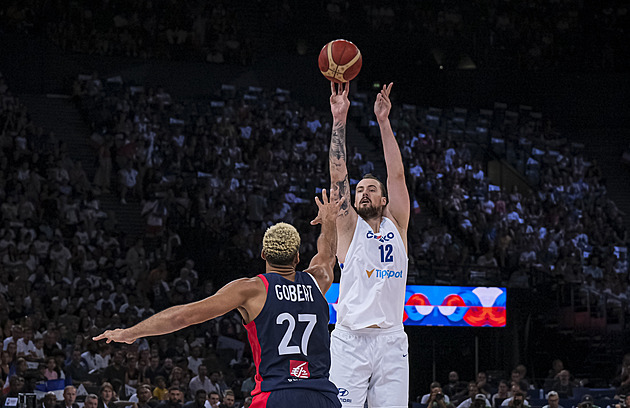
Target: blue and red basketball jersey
{"type": "Point", "coordinates": [289, 338]}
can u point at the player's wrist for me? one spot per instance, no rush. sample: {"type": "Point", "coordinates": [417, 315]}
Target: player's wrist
{"type": "Point", "coordinates": [382, 122]}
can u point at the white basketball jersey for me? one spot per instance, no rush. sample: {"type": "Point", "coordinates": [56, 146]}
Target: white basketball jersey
{"type": "Point", "coordinates": [373, 278]}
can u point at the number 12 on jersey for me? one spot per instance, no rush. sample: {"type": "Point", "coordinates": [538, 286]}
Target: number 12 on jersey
{"type": "Point", "coordinates": [283, 347]}
{"type": "Point", "coordinates": [386, 253]}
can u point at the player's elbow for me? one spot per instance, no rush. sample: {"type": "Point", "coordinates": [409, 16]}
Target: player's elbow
{"type": "Point", "coordinates": [327, 276]}
{"type": "Point", "coordinates": [185, 316]}
{"type": "Point", "coordinates": [337, 176]}
{"type": "Point", "coordinates": [181, 320]}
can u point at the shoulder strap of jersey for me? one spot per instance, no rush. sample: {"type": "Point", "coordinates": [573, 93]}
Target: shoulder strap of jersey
{"type": "Point", "coordinates": [264, 279]}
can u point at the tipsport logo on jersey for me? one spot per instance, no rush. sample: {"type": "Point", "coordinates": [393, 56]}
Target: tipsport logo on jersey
{"type": "Point", "coordinates": [383, 273]}
{"type": "Point", "coordinates": [458, 306]}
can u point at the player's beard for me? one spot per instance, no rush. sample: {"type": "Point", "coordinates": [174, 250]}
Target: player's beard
{"type": "Point", "coordinates": [369, 212]}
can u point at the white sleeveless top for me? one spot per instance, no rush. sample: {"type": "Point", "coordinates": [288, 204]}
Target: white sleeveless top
{"type": "Point", "coordinates": [373, 278]}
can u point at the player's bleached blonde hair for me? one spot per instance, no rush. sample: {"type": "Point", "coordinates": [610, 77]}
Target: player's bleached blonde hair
{"type": "Point", "coordinates": [281, 244]}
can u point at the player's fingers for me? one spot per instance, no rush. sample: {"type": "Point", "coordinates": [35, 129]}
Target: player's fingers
{"type": "Point", "coordinates": [347, 88]}
{"type": "Point", "coordinates": [325, 196]}
{"type": "Point", "coordinates": [389, 88]}
{"type": "Point", "coordinates": [332, 88]}
{"type": "Point", "coordinates": [318, 202]}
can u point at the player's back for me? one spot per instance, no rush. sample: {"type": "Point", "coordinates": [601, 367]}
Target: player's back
{"type": "Point", "coordinates": [289, 338]}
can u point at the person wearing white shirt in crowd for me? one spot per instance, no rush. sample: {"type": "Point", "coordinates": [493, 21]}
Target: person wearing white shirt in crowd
{"type": "Point", "coordinates": [195, 360]}
{"type": "Point", "coordinates": [201, 382]}
{"type": "Point", "coordinates": [437, 389]}
{"type": "Point", "coordinates": [39, 347]}
{"type": "Point", "coordinates": [25, 346]}
{"type": "Point", "coordinates": [16, 334]}
{"type": "Point", "coordinates": [517, 393]}
{"type": "Point", "coordinates": [479, 401]}
{"type": "Point", "coordinates": [90, 356]}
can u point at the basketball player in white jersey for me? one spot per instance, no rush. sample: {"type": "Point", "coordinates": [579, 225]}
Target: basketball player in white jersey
{"type": "Point", "coordinates": [369, 345]}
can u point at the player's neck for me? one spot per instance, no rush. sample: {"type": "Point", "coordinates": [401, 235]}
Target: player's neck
{"type": "Point", "coordinates": [374, 223]}
{"type": "Point", "coordinates": [286, 271]}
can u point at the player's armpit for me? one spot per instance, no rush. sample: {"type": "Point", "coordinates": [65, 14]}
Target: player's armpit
{"type": "Point", "coordinates": [399, 202]}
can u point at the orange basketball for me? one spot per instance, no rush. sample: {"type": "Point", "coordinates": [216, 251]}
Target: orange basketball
{"type": "Point", "coordinates": [340, 61]}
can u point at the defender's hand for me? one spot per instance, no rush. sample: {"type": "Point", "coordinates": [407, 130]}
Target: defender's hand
{"type": "Point", "coordinates": [339, 102]}
{"type": "Point", "coordinates": [328, 210]}
{"type": "Point", "coordinates": [383, 105]}
{"type": "Point", "coordinates": [118, 335]}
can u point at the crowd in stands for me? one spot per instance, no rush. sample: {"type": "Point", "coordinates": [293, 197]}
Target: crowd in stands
{"type": "Point", "coordinates": [519, 390]}
{"type": "Point", "coordinates": [194, 30]}
{"type": "Point", "coordinates": [66, 274]}
{"type": "Point", "coordinates": [233, 165]}
{"type": "Point", "coordinates": [532, 35]}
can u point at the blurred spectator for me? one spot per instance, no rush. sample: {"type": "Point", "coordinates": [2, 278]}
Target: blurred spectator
{"type": "Point", "coordinates": [553, 400]}
{"type": "Point", "coordinates": [69, 396]}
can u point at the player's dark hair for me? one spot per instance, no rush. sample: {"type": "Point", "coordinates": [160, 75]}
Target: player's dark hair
{"type": "Point", "coordinates": [383, 188]}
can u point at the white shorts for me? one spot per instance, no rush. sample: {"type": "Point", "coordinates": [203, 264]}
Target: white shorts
{"type": "Point", "coordinates": [372, 364]}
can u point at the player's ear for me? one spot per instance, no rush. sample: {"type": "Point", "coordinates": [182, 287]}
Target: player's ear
{"type": "Point", "coordinates": [296, 260]}
{"type": "Point", "coordinates": [262, 254]}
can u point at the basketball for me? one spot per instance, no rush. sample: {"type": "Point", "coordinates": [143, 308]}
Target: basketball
{"type": "Point", "coordinates": [340, 61]}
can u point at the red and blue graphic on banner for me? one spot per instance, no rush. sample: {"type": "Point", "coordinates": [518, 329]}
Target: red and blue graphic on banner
{"type": "Point", "coordinates": [445, 306]}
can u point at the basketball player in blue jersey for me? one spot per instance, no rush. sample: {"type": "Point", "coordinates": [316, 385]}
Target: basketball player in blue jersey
{"type": "Point", "coordinates": [369, 345]}
{"type": "Point", "coordinates": [285, 314]}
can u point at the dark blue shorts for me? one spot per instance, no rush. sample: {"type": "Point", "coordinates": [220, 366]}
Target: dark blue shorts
{"type": "Point", "coordinates": [297, 397]}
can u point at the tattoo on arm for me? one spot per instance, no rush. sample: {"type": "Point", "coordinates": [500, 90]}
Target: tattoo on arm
{"type": "Point", "coordinates": [344, 192]}
{"type": "Point", "coordinates": [338, 142]}
{"type": "Point", "coordinates": [340, 184]}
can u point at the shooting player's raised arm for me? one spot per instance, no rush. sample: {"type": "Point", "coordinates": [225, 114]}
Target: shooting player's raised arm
{"type": "Point", "coordinates": [338, 158]}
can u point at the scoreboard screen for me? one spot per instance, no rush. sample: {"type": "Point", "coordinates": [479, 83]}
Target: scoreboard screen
{"type": "Point", "coordinates": [460, 306]}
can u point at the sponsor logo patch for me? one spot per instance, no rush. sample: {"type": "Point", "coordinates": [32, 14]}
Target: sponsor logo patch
{"type": "Point", "coordinates": [343, 395]}
{"type": "Point", "coordinates": [384, 273]}
{"type": "Point", "coordinates": [299, 369]}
